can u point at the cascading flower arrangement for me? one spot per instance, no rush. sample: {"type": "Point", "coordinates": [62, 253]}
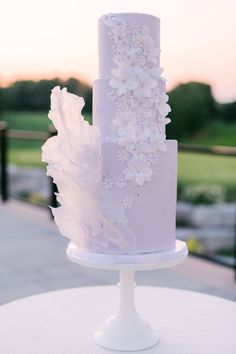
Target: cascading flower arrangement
{"type": "Point", "coordinates": [138, 88]}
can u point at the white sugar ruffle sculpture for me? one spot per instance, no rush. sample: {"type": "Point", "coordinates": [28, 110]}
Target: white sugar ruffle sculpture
{"type": "Point", "coordinates": [74, 157]}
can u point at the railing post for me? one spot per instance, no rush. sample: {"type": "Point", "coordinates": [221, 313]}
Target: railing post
{"type": "Point", "coordinates": [3, 154]}
{"type": "Point", "coordinates": [235, 238]}
{"type": "Point", "coordinates": [53, 186]}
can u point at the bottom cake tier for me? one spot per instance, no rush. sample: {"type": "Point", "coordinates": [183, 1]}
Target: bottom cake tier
{"type": "Point", "coordinates": [151, 208]}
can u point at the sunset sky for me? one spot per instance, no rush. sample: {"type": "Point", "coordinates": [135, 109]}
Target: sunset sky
{"type": "Point", "coordinates": [48, 38]}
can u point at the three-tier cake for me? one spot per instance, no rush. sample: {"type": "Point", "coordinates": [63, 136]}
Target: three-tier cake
{"type": "Point", "coordinates": [117, 178]}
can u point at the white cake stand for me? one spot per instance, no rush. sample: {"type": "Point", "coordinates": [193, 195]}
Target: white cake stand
{"type": "Point", "coordinates": [127, 330]}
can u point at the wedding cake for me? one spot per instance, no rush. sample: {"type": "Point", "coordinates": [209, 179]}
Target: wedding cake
{"type": "Point", "coordinates": [117, 178]}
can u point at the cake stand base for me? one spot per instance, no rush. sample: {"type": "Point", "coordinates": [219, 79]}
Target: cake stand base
{"type": "Point", "coordinates": [127, 330]}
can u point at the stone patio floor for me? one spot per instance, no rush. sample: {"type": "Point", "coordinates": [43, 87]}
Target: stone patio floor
{"type": "Point", "coordinates": [33, 260]}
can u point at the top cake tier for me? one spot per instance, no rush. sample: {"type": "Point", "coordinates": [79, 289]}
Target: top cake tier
{"type": "Point", "coordinates": [129, 22]}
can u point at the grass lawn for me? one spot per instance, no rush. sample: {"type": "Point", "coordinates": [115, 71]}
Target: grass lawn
{"type": "Point", "coordinates": [38, 121]}
{"type": "Point", "coordinates": [217, 133]}
{"type": "Point", "coordinates": [26, 120]}
{"type": "Point", "coordinates": [27, 153]}
{"type": "Point", "coordinates": [206, 168]}
{"type": "Point", "coordinates": [191, 167]}
{"type": "Point", "coordinates": [26, 156]}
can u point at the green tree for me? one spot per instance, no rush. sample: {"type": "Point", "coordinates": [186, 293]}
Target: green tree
{"type": "Point", "coordinates": [192, 108]}
{"type": "Point", "coordinates": [228, 112]}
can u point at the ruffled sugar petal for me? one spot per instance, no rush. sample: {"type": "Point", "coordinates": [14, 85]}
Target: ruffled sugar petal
{"type": "Point", "coordinates": [74, 158]}
{"type": "Point", "coordinates": [49, 149]}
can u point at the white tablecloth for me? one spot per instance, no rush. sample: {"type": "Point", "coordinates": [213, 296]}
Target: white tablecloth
{"type": "Point", "coordinates": [63, 322]}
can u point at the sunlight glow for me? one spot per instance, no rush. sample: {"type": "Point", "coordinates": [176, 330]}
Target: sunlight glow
{"type": "Point", "coordinates": [52, 38]}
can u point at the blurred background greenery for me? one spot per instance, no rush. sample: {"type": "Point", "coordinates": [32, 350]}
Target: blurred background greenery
{"type": "Point", "coordinates": [204, 180]}
{"type": "Point", "coordinates": [197, 118]}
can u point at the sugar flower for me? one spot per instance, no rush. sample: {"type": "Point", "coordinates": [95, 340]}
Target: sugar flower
{"type": "Point", "coordinates": [128, 202]}
{"type": "Point", "coordinates": [138, 171]}
{"type": "Point", "coordinates": [162, 105]}
{"type": "Point", "coordinates": [146, 84]}
{"type": "Point", "coordinates": [123, 79]}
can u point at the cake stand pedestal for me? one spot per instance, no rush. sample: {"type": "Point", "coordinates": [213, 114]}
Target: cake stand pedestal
{"type": "Point", "coordinates": [127, 330]}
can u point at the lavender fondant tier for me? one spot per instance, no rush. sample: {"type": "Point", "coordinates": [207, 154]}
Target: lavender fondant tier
{"type": "Point", "coordinates": [150, 209]}
{"type": "Point", "coordinates": [105, 43]}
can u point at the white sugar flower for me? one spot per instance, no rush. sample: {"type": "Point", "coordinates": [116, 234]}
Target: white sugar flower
{"type": "Point", "coordinates": [120, 182]}
{"type": "Point", "coordinates": [134, 58]}
{"type": "Point", "coordinates": [142, 142]}
{"type": "Point", "coordinates": [122, 155]}
{"type": "Point", "coordinates": [122, 43]}
{"type": "Point", "coordinates": [143, 39]}
{"type": "Point", "coordinates": [108, 183]}
{"type": "Point", "coordinates": [123, 140]}
{"type": "Point", "coordinates": [111, 96]}
{"type": "Point", "coordinates": [146, 84]}
{"type": "Point", "coordinates": [156, 72]}
{"type": "Point", "coordinates": [122, 122]}
{"type": "Point", "coordinates": [142, 107]}
{"type": "Point", "coordinates": [162, 105]}
{"type": "Point", "coordinates": [126, 135]}
{"type": "Point", "coordinates": [152, 54]}
{"type": "Point", "coordinates": [128, 202]}
{"type": "Point", "coordinates": [153, 158]}
{"type": "Point", "coordinates": [158, 138]}
{"type": "Point", "coordinates": [161, 142]}
{"type": "Point", "coordinates": [138, 171]}
{"type": "Point", "coordinates": [116, 25]}
{"type": "Point", "coordinates": [167, 121]}
{"type": "Point", "coordinates": [123, 80]}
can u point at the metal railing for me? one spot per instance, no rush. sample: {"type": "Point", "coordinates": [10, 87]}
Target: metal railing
{"type": "Point", "coordinates": [5, 135]}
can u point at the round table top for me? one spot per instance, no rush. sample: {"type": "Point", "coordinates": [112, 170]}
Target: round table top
{"type": "Point", "coordinates": [64, 321]}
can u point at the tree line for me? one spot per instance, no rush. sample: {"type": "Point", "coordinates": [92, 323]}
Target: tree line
{"type": "Point", "coordinates": [28, 95]}
{"type": "Point", "coordinates": [192, 104]}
